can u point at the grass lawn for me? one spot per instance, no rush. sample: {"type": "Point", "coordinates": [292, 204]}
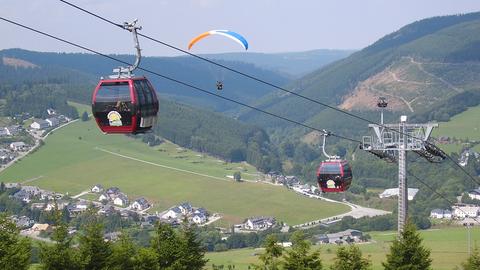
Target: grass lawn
{"type": "Point", "coordinates": [78, 156]}
{"type": "Point", "coordinates": [461, 126]}
{"type": "Point", "coordinates": [448, 249]}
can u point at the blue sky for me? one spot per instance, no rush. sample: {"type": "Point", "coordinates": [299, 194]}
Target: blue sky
{"type": "Point", "coordinates": [269, 25]}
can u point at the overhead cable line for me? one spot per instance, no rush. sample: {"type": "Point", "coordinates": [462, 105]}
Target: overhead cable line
{"type": "Point", "coordinates": [205, 91]}
{"type": "Point", "coordinates": [177, 81]}
{"type": "Point", "coordinates": [260, 81]}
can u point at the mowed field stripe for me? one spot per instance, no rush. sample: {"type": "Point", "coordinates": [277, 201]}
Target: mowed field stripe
{"type": "Point", "coordinates": [162, 166]}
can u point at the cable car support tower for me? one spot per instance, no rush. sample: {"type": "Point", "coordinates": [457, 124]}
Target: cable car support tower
{"type": "Point", "coordinates": [391, 142]}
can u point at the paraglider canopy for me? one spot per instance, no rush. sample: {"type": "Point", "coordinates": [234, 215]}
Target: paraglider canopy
{"type": "Point", "coordinates": [226, 33]}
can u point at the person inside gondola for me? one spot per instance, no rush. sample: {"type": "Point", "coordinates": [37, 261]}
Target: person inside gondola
{"type": "Point", "coordinates": [122, 106]}
{"type": "Point", "coordinates": [338, 182]}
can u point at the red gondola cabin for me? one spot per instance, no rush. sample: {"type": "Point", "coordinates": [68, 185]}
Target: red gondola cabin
{"type": "Point", "coordinates": [125, 105]}
{"type": "Point", "coordinates": [334, 176]}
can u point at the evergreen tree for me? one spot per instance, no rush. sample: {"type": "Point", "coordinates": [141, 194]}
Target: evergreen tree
{"type": "Point", "coordinates": [61, 255]}
{"type": "Point", "coordinates": [299, 256]}
{"type": "Point", "coordinates": [350, 259]}
{"type": "Point", "coordinates": [146, 259]}
{"type": "Point", "coordinates": [123, 254]}
{"type": "Point", "coordinates": [192, 254]}
{"type": "Point", "coordinates": [85, 116]}
{"type": "Point", "coordinates": [237, 176]}
{"type": "Point", "coordinates": [473, 262]}
{"type": "Point", "coordinates": [94, 251]}
{"type": "Point", "coordinates": [2, 187]}
{"type": "Point", "coordinates": [273, 251]}
{"type": "Point", "coordinates": [167, 244]}
{"type": "Point", "coordinates": [407, 252]}
{"type": "Point", "coordinates": [14, 251]}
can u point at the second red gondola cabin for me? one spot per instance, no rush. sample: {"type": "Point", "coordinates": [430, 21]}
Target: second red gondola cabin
{"type": "Point", "coordinates": [334, 176]}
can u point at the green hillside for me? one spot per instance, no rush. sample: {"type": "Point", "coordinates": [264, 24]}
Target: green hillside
{"type": "Point", "coordinates": [89, 68]}
{"type": "Point", "coordinates": [463, 127]}
{"type": "Point", "coordinates": [295, 64]}
{"type": "Point", "coordinates": [448, 249]}
{"type": "Point", "coordinates": [78, 156]}
{"type": "Point", "coordinates": [418, 66]}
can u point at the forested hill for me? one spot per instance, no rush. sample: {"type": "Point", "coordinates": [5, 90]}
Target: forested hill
{"type": "Point", "coordinates": [33, 87]}
{"type": "Point", "coordinates": [187, 69]}
{"type": "Point", "coordinates": [422, 65]}
{"type": "Point", "coordinates": [295, 64]}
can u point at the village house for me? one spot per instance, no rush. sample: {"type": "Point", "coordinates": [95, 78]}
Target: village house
{"type": "Point", "coordinates": [465, 211]}
{"type": "Point", "coordinates": [140, 204]}
{"type": "Point", "coordinates": [121, 200]}
{"type": "Point", "coordinates": [6, 156]}
{"type": "Point", "coordinates": [390, 192]}
{"type": "Point", "coordinates": [441, 214]}
{"type": "Point", "coordinates": [106, 210]}
{"type": "Point", "coordinates": [97, 188]}
{"type": "Point", "coordinates": [112, 190]}
{"type": "Point", "coordinates": [3, 132]}
{"type": "Point", "coordinates": [186, 208]}
{"type": "Point", "coordinates": [51, 111]}
{"type": "Point", "coordinates": [172, 213]}
{"type": "Point", "coordinates": [259, 223]}
{"type": "Point", "coordinates": [39, 124]}
{"type": "Point", "coordinates": [53, 122]}
{"type": "Point", "coordinates": [199, 218]}
{"type": "Point", "coordinates": [104, 197]}
{"type": "Point", "coordinates": [18, 146]}
{"type": "Point", "coordinates": [474, 194]}
{"type": "Point", "coordinates": [347, 236]}
{"type": "Point", "coordinates": [13, 130]}
{"type": "Point", "coordinates": [39, 227]}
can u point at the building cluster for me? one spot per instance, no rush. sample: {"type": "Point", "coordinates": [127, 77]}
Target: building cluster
{"type": "Point", "coordinates": [459, 211]}
{"type": "Point", "coordinates": [345, 237]}
{"type": "Point", "coordinates": [52, 121]}
{"type": "Point", "coordinates": [280, 179]}
{"type": "Point", "coordinates": [256, 224]}
{"type": "Point", "coordinates": [178, 213]}
{"type": "Point", "coordinates": [10, 151]}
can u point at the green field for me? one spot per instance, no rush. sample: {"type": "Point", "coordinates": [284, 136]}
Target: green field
{"type": "Point", "coordinates": [78, 156]}
{"type": "Point", "coordinates": [448, 249]}
{"type": "Point", "coordinates": [462, 126]}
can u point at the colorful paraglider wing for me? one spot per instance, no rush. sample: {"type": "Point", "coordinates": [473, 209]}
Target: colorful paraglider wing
{"type": "Point", "coordinates": [226, 33]}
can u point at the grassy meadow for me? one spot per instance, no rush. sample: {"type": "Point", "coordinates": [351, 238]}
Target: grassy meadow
{"type": "Point", "coordinates": [448, 249]}
{"type": "Point", "coordinates": [462, 126]}
{"type": "Point", "coordinates": [76, 157]}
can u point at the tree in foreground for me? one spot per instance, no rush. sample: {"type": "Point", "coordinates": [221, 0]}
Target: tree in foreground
{"type": "Point", "coordinates": [60, 255]}
{"type": "Point", "coordinates": [14, 250]}
{"type": "Point", "coordinates": [94, 251]}
{"type": "Point", "coordinates": [146, 259]}
{"type": "Point", "coordinates": [166, 245]}
{"type": "Point", "coordinates": [85, 116]}
{"type": "Point", "coordinates": [270, 259]}
{"type": "Point", "coordinates": [299, 256]}
{"type": "Point", "coordinates": [350, 259]}
{"type": "Point", "coordinates": [473, 262]}
{"type": "Point", "coordinates": [407, 251]}
{"type": "Point", "coordinates": [123, 254]}
{"type": "Point", "coordinates": [192, 254]}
